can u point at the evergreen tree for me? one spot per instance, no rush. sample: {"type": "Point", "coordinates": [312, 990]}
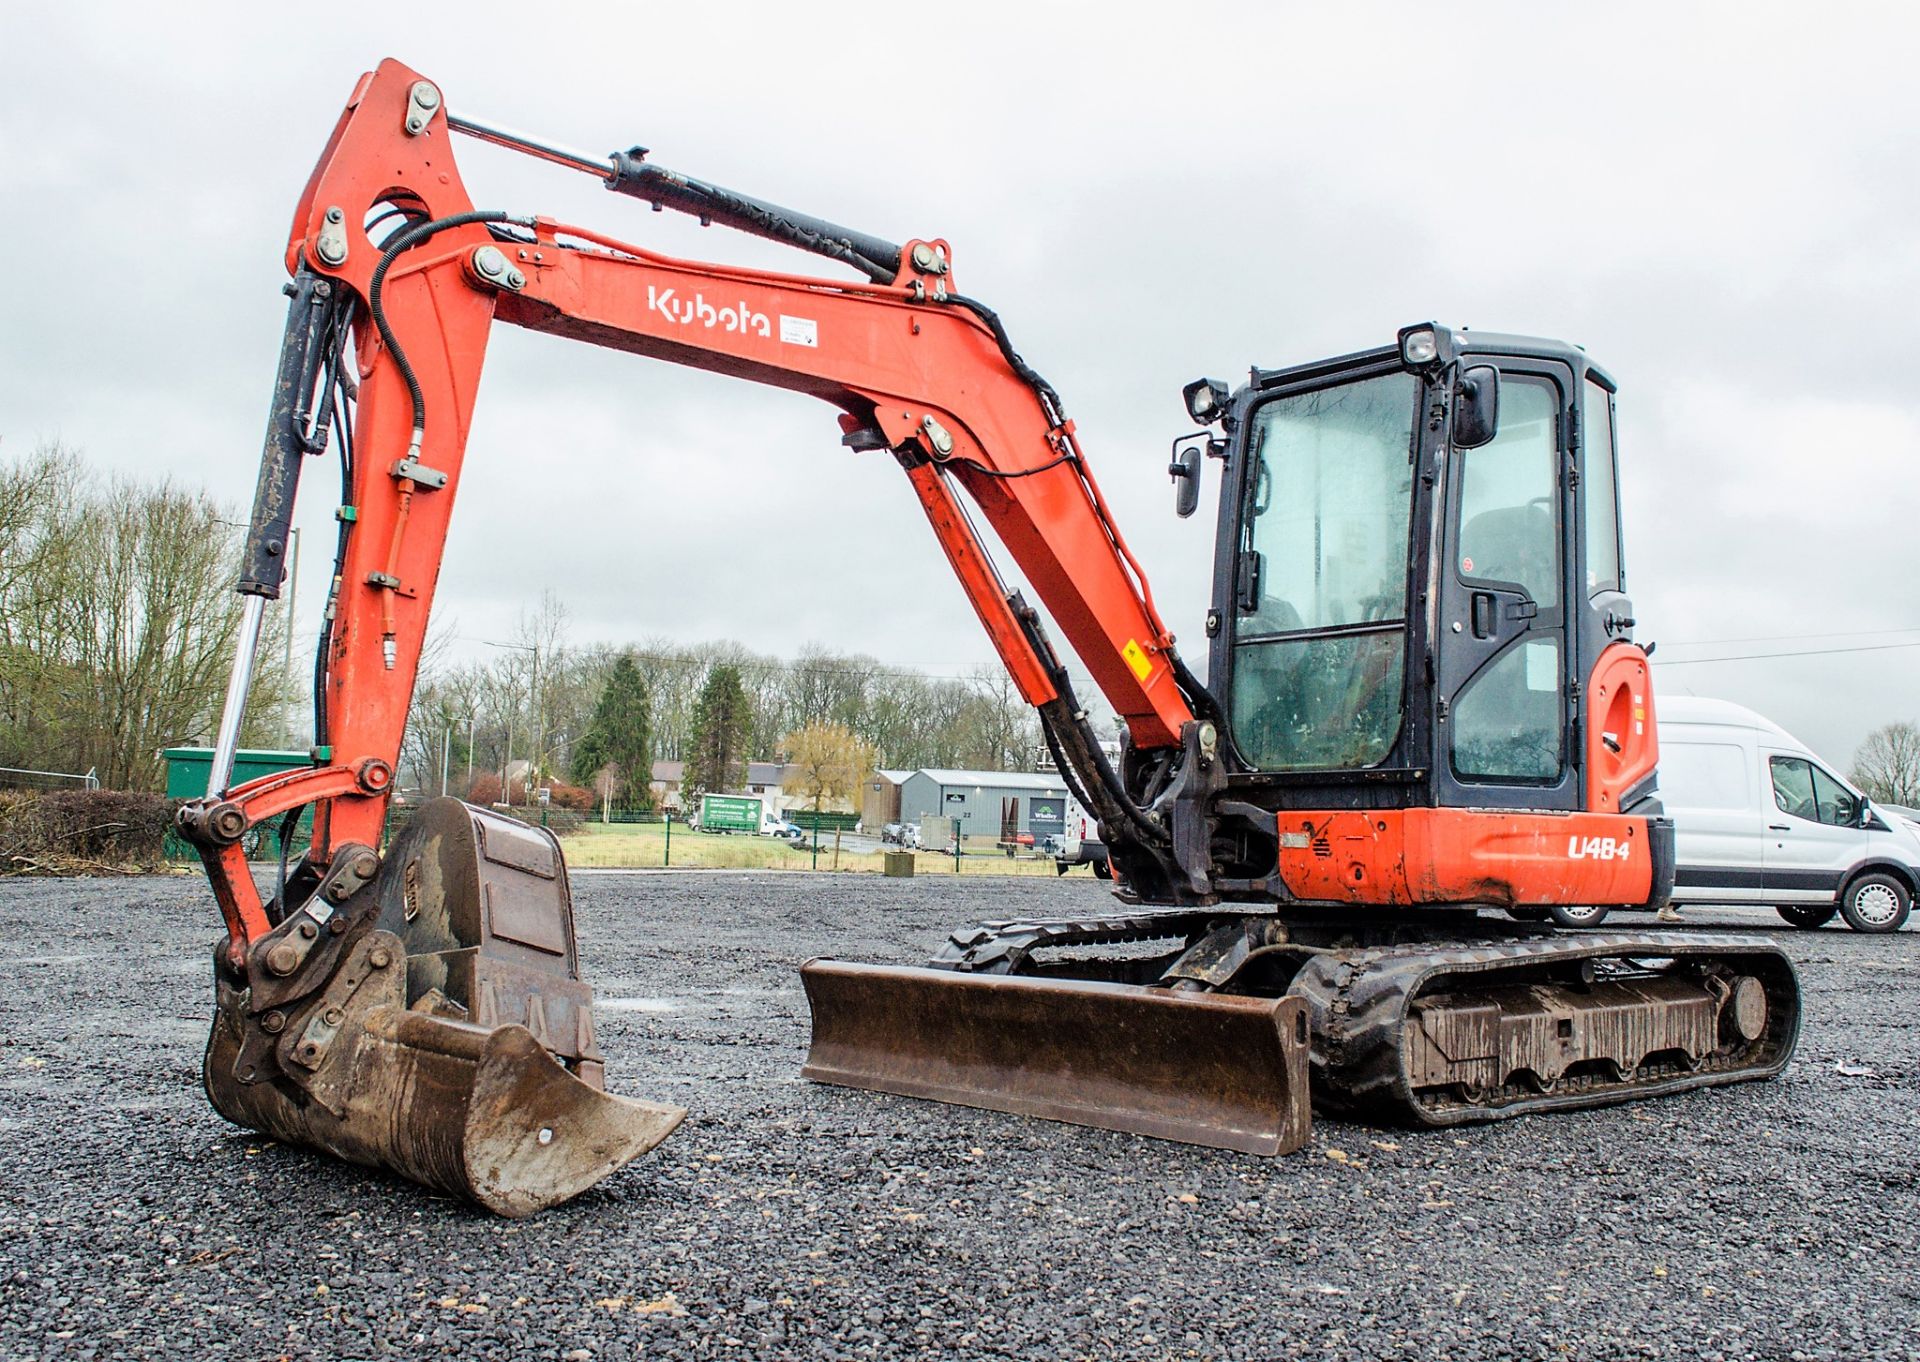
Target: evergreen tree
{"type": "Point", "coordinates": [720, 719]}
{"type": "Point", "coordinates": [619, 738]}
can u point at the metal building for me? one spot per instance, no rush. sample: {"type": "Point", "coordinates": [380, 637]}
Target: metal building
{"type": "Point", "coordinates": [984, 803]}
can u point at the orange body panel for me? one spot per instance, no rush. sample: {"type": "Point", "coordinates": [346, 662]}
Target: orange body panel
{"type": "Point", "coordinates": [1622, 747]}
{"type": "Point", "coordinates": [1491, 856]}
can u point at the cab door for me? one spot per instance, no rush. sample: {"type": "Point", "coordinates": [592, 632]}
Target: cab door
{"type": "Point", "coordinates": [1811, 835]}
{"type": "Point", "coordinates": [1502, 706]}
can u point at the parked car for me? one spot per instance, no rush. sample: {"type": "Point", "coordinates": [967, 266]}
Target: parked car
{"type": "Point", "coordinates": [901, 835]}
{"type": "Point", "coordinates": [791, 833]}
{"type": "Point", "coordinates": [1760, 819]}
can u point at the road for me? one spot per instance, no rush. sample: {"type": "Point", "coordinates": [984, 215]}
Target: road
{"type": "Point", "coordinates": [785, 1220]}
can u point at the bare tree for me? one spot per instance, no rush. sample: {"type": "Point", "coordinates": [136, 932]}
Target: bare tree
{"type": "Point", "coordinates": [117, 620]}
{"type": "Point", "coordinates": [1887, 764]}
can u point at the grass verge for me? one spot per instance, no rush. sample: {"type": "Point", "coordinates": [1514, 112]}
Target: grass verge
{"type": "Point", "coordinates": [644, 846]}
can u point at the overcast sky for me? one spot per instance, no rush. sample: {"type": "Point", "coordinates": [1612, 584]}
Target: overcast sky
{"type": "Point", "coordinates": [1719, 201]}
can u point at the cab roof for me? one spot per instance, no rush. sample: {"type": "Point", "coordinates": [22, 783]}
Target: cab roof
{"type": "Point", "coordinates": [1467, 342]}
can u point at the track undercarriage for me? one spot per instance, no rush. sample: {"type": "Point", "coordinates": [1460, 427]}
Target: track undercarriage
{"type": "Point", "coordinates": [1430, 1019]}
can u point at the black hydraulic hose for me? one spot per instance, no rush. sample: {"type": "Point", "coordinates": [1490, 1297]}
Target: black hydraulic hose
{"type": "Point", "coordinates": [1049, 398]}
{"type": "Point", "coordinates": [287, 826]}
{"type": "Point", "coordinates": [403, 240]}
{"type": "Point", "coordinates": [1002, 473]}
{"type": "Point", "coordinates": [343, 422]}
{"type": "Point", "coordinates": [1202, 700]}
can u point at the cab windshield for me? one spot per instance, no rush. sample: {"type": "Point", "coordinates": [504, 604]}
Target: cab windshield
{"type": "Point", "coordinates": [1320, 652]}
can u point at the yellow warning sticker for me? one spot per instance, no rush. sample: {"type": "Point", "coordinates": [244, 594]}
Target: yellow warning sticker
{"type": "Point", "coordinates": [1136, 657]}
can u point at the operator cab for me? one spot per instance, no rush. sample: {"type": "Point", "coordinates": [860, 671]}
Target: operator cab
{"type": "Point", "coordinates": [1418, 564]}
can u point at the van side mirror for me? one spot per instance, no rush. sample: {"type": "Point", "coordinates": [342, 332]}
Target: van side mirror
{"type": "Point", "coordinates": [1188, 451]}
{"type": "Point", "coordinates": [1863, 815]}
{"type": "Point", "coordinates": [1476, 407]}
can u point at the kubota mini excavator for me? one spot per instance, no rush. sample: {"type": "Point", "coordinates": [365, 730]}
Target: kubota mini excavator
{"type": "Point", "coordinates": [1423, 701]}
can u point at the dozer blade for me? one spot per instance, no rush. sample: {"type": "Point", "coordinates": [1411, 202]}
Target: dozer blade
{"type": "Point", "coordinates": [433, 1022]}
{"type": "Point", "coordinates": [1230, 1072]}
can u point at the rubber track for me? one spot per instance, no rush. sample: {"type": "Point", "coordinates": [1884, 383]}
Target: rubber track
{"type": "Point", "coordinates": [1006, 947]}
{"type": "Point", "coordinates": [1358, 1005]}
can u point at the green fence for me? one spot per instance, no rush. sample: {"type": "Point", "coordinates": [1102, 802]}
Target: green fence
{"type": "Point", "coordinates": [825, 821]}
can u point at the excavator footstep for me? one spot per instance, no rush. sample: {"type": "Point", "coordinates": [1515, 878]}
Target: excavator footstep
{"type": "Point", "coordinates": [1229, 1072]}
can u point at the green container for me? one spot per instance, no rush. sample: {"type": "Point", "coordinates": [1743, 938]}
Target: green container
{"type": "Point", "coordinates": [187, 771]}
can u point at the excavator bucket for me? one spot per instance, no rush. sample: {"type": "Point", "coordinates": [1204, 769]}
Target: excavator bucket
{"type": "Point", "coordinates": [1209, 1069]}
{"type": "Point", "coordinates": [448, 1037]}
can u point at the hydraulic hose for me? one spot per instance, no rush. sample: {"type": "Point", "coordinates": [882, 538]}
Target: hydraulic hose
{"type": "Point", "coordinates": [404, 240]}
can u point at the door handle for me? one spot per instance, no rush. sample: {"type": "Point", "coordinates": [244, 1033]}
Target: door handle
{"type": "Point", "coordinates": [1483, 614]}
{"type": "Point", "coordinates": [1779, 827]}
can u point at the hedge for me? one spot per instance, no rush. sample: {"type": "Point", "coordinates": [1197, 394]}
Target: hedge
{"type": "Point", "coordinates": [70, 832]}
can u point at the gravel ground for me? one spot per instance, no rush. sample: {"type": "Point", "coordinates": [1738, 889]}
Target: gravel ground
{"type": "Point", "coordinates": [790, 1220]}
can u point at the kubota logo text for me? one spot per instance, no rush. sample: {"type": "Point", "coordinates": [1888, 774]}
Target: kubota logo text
{"type": "Point", "coordinates": [698, 311]}
{"type": "Point", "coordinates": [1597, 849]}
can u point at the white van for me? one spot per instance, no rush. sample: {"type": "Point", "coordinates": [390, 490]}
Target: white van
{"type": "Point", "coordinates": [1759, 819]}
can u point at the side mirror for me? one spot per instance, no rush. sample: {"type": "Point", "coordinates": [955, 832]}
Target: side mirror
{"type": "Point", "coordinates": [1476, 407]}
{"type": "Point", "coordinates": [1188, 451]}
{"type": "Point", "coordinates": [1863, 816]}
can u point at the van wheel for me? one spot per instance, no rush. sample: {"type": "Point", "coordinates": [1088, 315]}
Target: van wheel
{"type": "Point", "coordinates": [1102, 870]}
{"type": "Point", "coordinates": [1578, 915]}
{"type": "Point", "coordinates": [1808, 918]}
{"type": "Point", "coordinates": [1875, 903]}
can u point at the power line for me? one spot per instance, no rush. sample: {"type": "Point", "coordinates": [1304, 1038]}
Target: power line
{"type": "Point", "coordinates": [1800, 652]}
{"type": "Point", "coordinates": [1786, 638]}
{"type": "Point", "coordinates": [763, 665]}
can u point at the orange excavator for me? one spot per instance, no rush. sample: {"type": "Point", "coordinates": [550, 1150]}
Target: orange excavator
{"type": "Point", "coordinates": [1423, 701]}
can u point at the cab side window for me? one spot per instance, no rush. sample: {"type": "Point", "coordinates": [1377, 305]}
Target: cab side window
{"type": "Point", "coordinates": [1804, 790]}
{"type": "Point", "coordinates": [1603, 510]}
{"type": "Point", "coordinates": [1793, 787]}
